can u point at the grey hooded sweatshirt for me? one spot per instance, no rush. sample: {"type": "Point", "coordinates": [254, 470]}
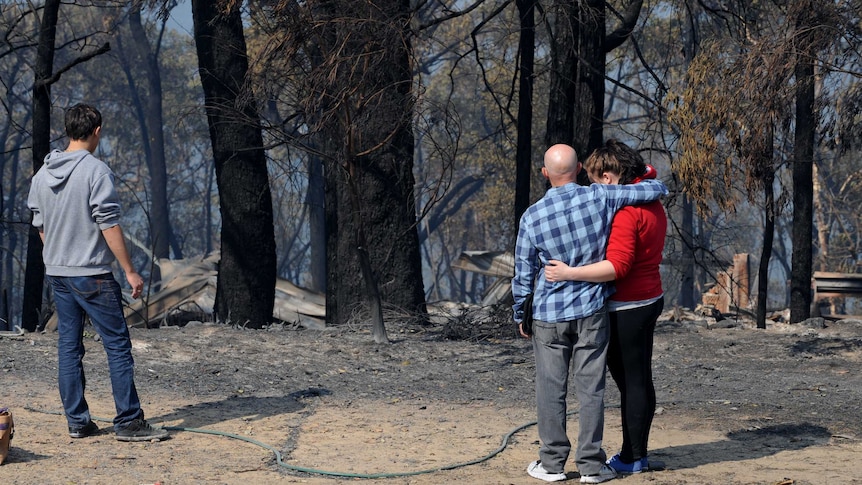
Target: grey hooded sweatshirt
{"type": "Point", "coordinates": [73, 200]}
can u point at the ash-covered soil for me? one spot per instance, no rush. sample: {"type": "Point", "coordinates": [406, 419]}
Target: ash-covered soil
{"type": "Point", "coordinates": [785, 388]}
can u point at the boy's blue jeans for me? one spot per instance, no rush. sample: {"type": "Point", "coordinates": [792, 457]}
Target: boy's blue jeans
{"type": "Point", "coordinates": [99, 297]}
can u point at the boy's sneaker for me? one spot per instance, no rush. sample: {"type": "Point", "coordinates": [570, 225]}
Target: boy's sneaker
{"type": "Point", "coordinates": [605, 474]}
{"type": "Point", "coordinates": [621, 467]}
{"type": "Point", "coordinates": [140, 430]}
{"type": "Point", "coordinates": [536, 470]}
{"type": "Point", "coordinates": [88, 429]}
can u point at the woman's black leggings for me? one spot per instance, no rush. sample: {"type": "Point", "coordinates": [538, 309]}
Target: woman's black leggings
{"type": "Point", "coordinates": [630, 363]}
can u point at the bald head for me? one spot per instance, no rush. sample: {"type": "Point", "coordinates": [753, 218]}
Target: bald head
{"type": "Point", "coordinates": [561, 165]}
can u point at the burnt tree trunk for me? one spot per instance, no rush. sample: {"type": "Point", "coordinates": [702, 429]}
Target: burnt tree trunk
{"type": "Point", "coordinates": [34, 275]}
{"type": "Point", "coordinates": [152, 124]}
{"type": "Point", "coordinates": [561, 102]}
{"type": "Point", "coordinates": [314, 201]}
{"type": "Point", "coordinates": [524, 155]}
{"type": "Point", "coordinates": [803, 188]}
{"type": "Point", "coordinates": [687, 236]}
{"type": "Point", "coordinates": [368, 127]}
{"type": "Point", "coordinates": [766, 252]}
{"type": "Point", "coordinates": [577, 84]}
{"type": "Point", "coordinates": [247, 271]}
{"type": "Point", "coordinates": [764, 171]}
{"type": "Point", "coordinates": [589, 85]}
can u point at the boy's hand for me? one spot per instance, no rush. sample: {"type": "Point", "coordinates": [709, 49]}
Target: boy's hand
{"type": "Point", "coordinates": [136, 282]}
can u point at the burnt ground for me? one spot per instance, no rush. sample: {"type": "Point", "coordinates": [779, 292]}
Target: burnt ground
{"type": "Point", "coordinates": [786, 387]}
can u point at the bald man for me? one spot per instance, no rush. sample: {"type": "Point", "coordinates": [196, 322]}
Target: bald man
{"type": "Point", "coordinates": [570, 223]}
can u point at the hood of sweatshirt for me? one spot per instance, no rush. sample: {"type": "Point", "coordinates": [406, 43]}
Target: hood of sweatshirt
{"type": "Point", "coordinates": [60, 164]}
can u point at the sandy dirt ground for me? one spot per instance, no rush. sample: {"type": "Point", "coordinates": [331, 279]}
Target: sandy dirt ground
{"type": "Point", "coordinates": [284, 405]}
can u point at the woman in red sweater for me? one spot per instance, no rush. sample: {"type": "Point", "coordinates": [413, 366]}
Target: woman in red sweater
{"type": "Point", "coordinates": [632, 262]}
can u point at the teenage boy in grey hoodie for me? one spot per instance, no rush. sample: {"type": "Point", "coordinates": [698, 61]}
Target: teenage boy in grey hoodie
{"type": "Point", "coordinates": [77, 212]}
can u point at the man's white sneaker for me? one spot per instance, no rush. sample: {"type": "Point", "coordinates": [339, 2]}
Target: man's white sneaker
{"type": "Point", "coordinates": [605, 474]}
{"type": "Point", "coordinates": [536, 470]}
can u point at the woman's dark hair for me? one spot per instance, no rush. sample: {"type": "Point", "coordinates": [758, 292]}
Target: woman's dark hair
{"type": "Point", "coordinates": [81, 121]}
{"type": "Point", "coordinates": [615, 157]}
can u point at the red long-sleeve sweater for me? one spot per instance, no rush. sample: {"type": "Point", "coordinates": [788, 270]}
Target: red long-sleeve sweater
{"type": "Point", "coordinates": [635, 249]}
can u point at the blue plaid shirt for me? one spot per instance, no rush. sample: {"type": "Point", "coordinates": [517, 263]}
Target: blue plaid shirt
{"type": "Point", "coordinates": [571, 224]}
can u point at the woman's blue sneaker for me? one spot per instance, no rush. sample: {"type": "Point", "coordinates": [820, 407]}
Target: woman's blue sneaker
{"type": "Point", "coordinates": [620, 467]}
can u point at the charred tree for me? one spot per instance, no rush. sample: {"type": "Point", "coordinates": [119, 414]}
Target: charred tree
{"type": "Point", "coordinates": [247, 271]}
{"type": "Point", "coordinates": [152, 125]}
{"type": "Point", "coordinates": [34, 275]}
{"type": "Point", "coordinates": [362, 89]}
{"type": "Point", "coordinates": [561, 105]}
{"type": "Point", "coordinates": [45, 76]}
{"type": "Point", "coordinates": [577, 85]}
{"type": "Point", "coordinates": [803, 167]}
{"type": "Point", "coordinates": [524, 155]}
